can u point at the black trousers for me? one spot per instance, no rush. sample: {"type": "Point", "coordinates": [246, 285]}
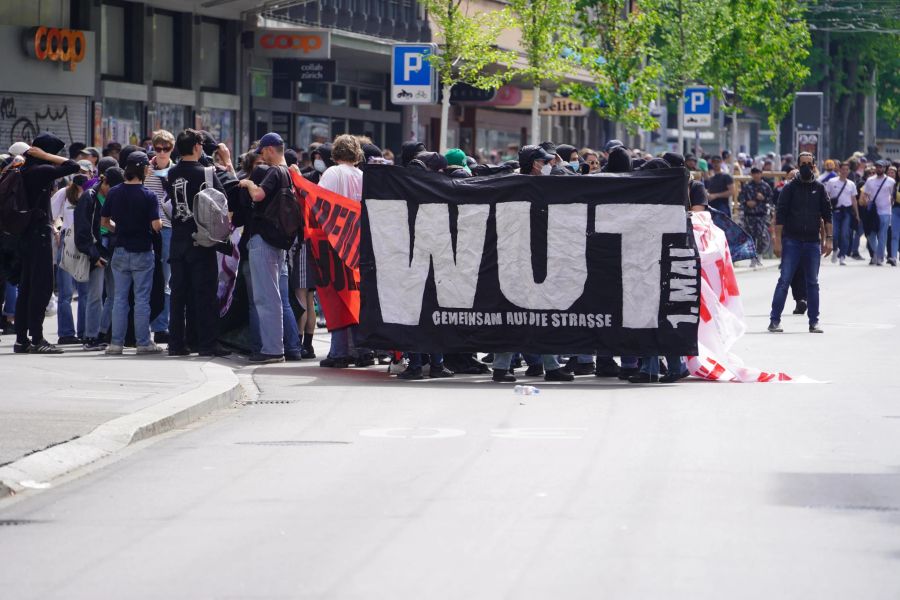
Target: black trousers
{"type": "Point", "coordinates": [194, 309]}
{"type": "Point", "coordinates": [35, 283]}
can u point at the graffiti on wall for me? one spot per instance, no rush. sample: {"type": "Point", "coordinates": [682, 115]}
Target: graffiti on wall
{"type": "Point", "coordinates": [24, 116]}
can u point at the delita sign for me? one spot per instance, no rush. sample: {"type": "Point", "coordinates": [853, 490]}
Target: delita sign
{"type": "Point", "coordinates": [293, 43]}
{"type": "Point", "coordinates": [564, 107]}
{"type": "Point", "coordinates": [66, 46]}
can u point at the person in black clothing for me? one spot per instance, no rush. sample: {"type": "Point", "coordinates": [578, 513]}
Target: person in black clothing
{"type": "Point", "coordinates": [89, 241]}
{"type": "Point", "coordinates": [42, 167]}
{"type": "Point", "coordinates": [720, 187]}
{"type": "Point", "coordinates": [321, 161]}
{"type": "Point", "coordinates": [803, 206]}
{"type": "Point", "coordinates": [194, 280]}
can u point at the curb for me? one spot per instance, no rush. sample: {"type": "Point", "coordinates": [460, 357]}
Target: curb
{"type": "Point", "coordinates": [221, 389]}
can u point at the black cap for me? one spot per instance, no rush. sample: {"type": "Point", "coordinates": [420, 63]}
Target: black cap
{"type": "Point", "coordinates": [290, 157]}
{"type": "Point", "coordinates": [529, 154]}
{"type": "Point", "coordinates": [612, 144]}
{"type": "Point", "coordinates": [549, 147]}
{"type": "Point", "coordinates": [674, 159]}
{"type": "Point", "coordinates": [114, 176]}
{"type": "Point", "coordinates": [105, 163]}
{"type": "Point", "coordinates": [137, 158]}
{"type": "Point", "coordinates": [208, 142]}
{"type": "Point", "coordinates": [75, 149]}
{"type": "Point", "coordinates": [755, 170]}
{"type": "Point", "coordinates": [689, 156]}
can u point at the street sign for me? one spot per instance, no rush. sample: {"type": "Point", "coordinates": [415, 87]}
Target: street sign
{"type": "Point", "coordinates": [697, 107]}
{"type": "Point", "coordinates": [320, 71]}
{"type": "Point", "coordinates": [413, 80]}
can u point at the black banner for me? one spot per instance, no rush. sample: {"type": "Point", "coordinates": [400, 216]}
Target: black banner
{"type": "Point", "coordinates": [601, 263]}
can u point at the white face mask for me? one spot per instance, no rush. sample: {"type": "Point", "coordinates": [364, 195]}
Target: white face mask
{"type": "Point", "coordinates": [161, 172]}
{"type": "Point", "coordinates": [545, 170]}
{"type": "Point", "coordinates": [574, 164]}
{"type": "Point", "coordinates": [319, 165]}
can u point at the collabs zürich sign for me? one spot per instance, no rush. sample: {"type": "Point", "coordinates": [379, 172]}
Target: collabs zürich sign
{"type": "Point", "coordinates": [66, 46]}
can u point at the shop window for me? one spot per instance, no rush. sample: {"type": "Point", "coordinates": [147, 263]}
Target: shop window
{"type": "Point", "coordinates": [112, 40]}
{"type": "Point", "coordinates": [210, 55]}
{"type": "Point", "coordinates": [315, 92]}
{"type": "Point", "coordinates": [163, 52]}
{"type": "Point", "coordinates": [369, 129]}
{"type": "Point", "coordinates": [339, 95]}
{"type": "Point", "coordinates": [50, 13]}
{"type": "Point", "coordinates": [312, 129]}
{"type": "Point", "coordinates": [369, 99]}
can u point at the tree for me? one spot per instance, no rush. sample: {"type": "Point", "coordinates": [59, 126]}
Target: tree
{"type": "Point", "coordinates": [687, 31]}
{"type": "Point", "coordinates": [547, 34]}
{"type": "Point", "coordinates": [467, 50]}
{"type": "Point", "coordinates": [761, 59]}
{"type": "Point", "coordinates": [617, 52]}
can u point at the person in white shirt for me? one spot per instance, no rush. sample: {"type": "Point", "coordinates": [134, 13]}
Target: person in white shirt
{"type": "Point", "coordinates": [842, 193]}
{"type": "Point", "coordinates": [62, 206]}
{"type": "Point", "coordinates": [877, 194]}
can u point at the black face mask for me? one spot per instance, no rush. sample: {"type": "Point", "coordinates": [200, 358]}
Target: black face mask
{"type": "Point", "coordinates": [806, 172]}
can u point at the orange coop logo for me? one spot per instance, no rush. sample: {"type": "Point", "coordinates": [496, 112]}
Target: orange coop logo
{"type": "Point", "coordinates": [66, 46]}
{"type": "Point", "coordinates": [291, 41]}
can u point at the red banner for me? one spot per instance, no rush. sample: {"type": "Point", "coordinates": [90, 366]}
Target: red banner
{"type": "Point", "coordinates": [332, 232]}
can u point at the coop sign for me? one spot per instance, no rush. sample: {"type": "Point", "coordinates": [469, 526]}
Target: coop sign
{"type": "Point", "coordinates": [66, 46]}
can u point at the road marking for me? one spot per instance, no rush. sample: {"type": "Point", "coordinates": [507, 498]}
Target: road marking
{"type": "Point", "coordinates": [413, 433]}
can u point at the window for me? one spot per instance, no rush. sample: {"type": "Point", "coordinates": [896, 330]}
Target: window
{"type": "Point", "coordinates": [338, 95]}
{"type": "Point", "coordinates": [163, 50]}
{"type": "Point", "coordinates": [210, 55]}
{"type": "Point", "coordinates": [112, 40]}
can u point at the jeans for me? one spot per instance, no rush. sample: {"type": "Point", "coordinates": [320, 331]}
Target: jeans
{"type": "Point", "coordinates": [161, 322]}
{"type": "Point", "coordinates": [796, 254]}
{"type": "Point", "coordinates": [343, 342]}
{"type": "Point", "coordinates": [92, 300]}
{"type": "Point", "coordinates": [266, 263]}
{"type": "Point", "coordinates": [66, 286]}
{"type": "Point", "coordinates": [650, 364]}
{"type": "Point", "coordinates": [132, 268]}
{"type": "Point", "coordinates": [880, 242]}
{"type": "Point", "coordinates": [10, 293]}
{"type": "Point", "coordinates": [502, 360]}
{"type": "Point", "coordinates": [895, 231]}
{"type": "Point", "coordinates": [841, 221]}
{"type": "Point", "coordinates": [35, 283]}
{"type": "Point", "coordinates": [856, 232]}
{"type": "Point", "coordinates": [291, 333]}
{"type": "Point", "coordinates": [584, 359]}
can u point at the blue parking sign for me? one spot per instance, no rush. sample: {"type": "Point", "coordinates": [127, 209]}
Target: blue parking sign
{"type": "Point", "coordinates": [413, 80]}
{"type": "Point", "coordinates": [697, 107]}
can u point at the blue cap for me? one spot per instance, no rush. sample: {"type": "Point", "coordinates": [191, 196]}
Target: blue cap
{"type": "Point", "coordinates": [270, 139]}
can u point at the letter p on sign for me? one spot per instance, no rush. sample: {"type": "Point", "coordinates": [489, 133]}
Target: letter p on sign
{"type": "Point", "coordinates": [412, 63]}
{"type": "Point", "coordinates": [697, 100]}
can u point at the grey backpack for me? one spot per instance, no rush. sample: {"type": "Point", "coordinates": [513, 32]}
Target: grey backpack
{"type": "Point", "coordinates": [211, 214]}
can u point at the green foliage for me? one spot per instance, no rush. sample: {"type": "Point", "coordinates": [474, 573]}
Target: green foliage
{"type": "Point", "coordinates": [761, 58]}
{"type": "Point", "coordinates": [617, 52]}
{"type": "Point", "coordinates": [547, 31]}
{"type": "Point", "coordinates": [468, 51]}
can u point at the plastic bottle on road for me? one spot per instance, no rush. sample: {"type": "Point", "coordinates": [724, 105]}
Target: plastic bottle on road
{"type": "Point", "coordinates": [526, 390]}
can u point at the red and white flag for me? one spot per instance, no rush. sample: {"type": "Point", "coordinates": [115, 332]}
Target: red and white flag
{"type": "Point", "coordinates": [721, 312]}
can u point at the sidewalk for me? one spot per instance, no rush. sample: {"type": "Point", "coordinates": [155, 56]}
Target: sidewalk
{"type": "Point", "coordinates": [48, 400]}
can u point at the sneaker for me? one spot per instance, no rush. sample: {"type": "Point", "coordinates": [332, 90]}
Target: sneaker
{"type": "Point", "coordinates": [626, 372]}
{"type": "Point", "coordinates": [341, 362]}
{"type": "Point", "coordinates": [610, 369]}
{"type": "Point", "coordinates": [488, 358]}
{"type": "Point", "coordinates": [843, 261]}
{"type": "Point", "coordinates": [558, 375]}
{"type": "Point", "coordinates": [44, 347]}
{"type": "Point", "coordinates": [93, 345]}
{"type": "Point", "coordinates": [814, 328]}
{"type": "Point", "coordinates": [161, 337]}
{"type": "Point", "coordinates": [114, 350]}
{"type": "Point", "coordinates": [307, 352]}
{"type": "Point", "coordinates": [411, 374]}
{"type": "Point", "coordinates": [801, 307]}
{"type": "Point", "coordinates": [69, 340]}
{"type": "Point", "coordinates": [642, 377]}
{"type": "Point", "coordinates": [503, 376]}
{"type": "Point", "coordinates": [364, 360]}
{"type": "Point", "coordinates": [21, 347]}
{"type": "Point", "coordinates": [179, 351]}
{"type": "Point", "coordinates": [263, 359]}
{"type": "Point", "coordinates": [534, 371]}
{"type": "Point", "coordinates": [395, 368]}
{"type": "Point", "coordinates": [150, 348]}
{"type": "Point", "coordinates": [775, 327]}
{"type": "Point", "coordinates": [856, 257]}
{"type": "Point", "coordinates": [834, 258]}
{"type": "Point", "coordinates": [293, 356]}
{"type": "Point", "coordinates": [892, 262]}
{"type": "Point", "coordinates": [440, 372]}
{"type": "Point", "coordinates": [584, 368]}
{"type": "Point", "coordinates": [673, 377]}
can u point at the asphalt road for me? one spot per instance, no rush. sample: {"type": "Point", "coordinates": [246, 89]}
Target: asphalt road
{"type": "Point", "coordinates": [348, 484]}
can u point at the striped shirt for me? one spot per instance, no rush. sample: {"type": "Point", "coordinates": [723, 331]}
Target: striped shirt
{"type": "Point", "coordinates": [155, 184]}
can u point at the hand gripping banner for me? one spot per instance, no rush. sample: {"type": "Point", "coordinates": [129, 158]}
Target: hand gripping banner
{"type": "Point", "coordinates": [535, 264]}
{"type": "Point", "coordinates": [332, 232]}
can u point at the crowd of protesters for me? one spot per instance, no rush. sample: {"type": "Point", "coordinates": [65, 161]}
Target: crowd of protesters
{"type": "Point", "coordinates": [133, 212]}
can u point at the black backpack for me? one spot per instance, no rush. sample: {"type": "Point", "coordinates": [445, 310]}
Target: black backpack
{"type": "Point", "coordinates": [15, 214]}
{"type": "Point", "coordinates": [282, 214]}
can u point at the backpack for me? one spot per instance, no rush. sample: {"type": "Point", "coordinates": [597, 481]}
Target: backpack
{"type": "Point", "coordinates": [282, 214]}
{"type": "Point", "coordinates": [15, 214]}
{"type": "Point", "coordinates": [211, 214]}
